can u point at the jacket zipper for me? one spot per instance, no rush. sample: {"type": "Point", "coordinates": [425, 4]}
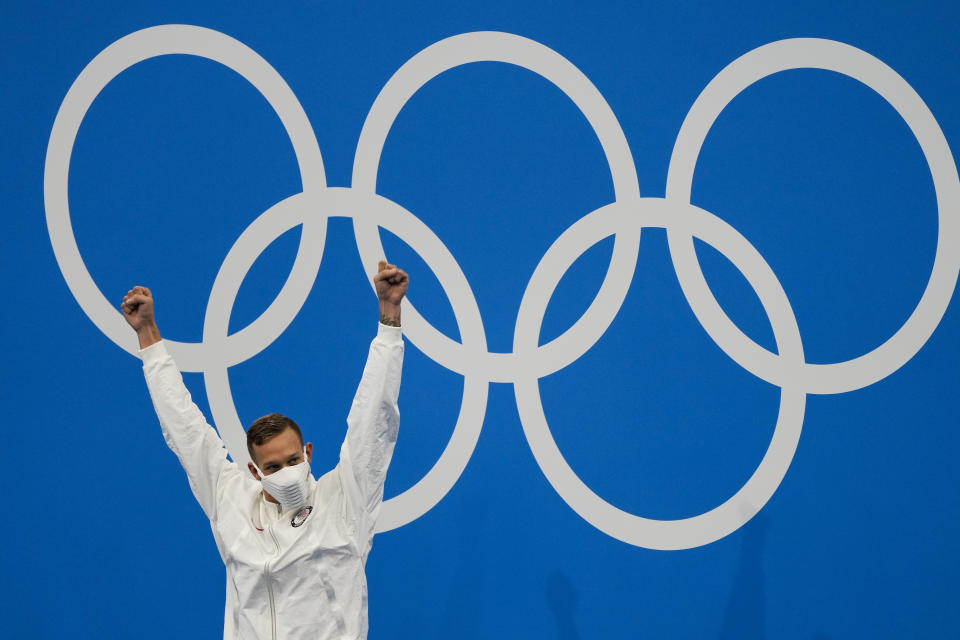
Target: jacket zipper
{"type": "Point", "coordinates": [266, 573]}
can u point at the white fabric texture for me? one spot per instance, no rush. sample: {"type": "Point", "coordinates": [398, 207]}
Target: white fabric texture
{"type": "Point", "coordinates": [286, 581]}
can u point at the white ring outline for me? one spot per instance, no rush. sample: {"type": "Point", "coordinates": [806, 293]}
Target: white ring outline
{"type": "Point", "coordinates": [437, 482]}
{"type": "Point", "coordinates": [815, 53]}
{"type": "Point", "coordinates": [748, 500]}
{"type": "Point", "coordinates": [494, 46]}
{"type": "Point", "coordinates": [233, 54]}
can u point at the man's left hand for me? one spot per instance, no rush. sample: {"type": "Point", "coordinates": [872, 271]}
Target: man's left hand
{"type": "Point", "coordinates": [391, 285]}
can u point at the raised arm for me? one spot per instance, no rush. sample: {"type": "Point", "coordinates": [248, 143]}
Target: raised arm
{"type": "Point", "coordinates": [374, 417]}
{"type": "Point", "coordinates": [195, 443]}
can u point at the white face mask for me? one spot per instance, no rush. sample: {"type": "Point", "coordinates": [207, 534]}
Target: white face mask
{"type": "Point", "coordinates": [289, 486]}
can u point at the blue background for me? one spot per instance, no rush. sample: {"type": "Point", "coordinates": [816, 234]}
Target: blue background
{"type": "Point", "coordinates": [178, 155]}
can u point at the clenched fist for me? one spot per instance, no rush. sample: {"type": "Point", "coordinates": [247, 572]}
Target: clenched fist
{"type": "Point", "coordinates": [391, 285]}
{"type": "Point", "coordinates": [137, 309]}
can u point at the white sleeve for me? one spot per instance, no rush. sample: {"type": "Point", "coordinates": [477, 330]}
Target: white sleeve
{"type": "Point", "coordinates": [186, 431]}
{"type": "Point", "coordinates": [372, 428]}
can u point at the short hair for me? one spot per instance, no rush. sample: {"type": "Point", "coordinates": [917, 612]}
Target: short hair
{"type": "Point", "coordinates": [268, 427]}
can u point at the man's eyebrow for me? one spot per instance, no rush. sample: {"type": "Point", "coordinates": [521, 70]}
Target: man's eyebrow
{"type": "Point", "coordinates": [292, 456]}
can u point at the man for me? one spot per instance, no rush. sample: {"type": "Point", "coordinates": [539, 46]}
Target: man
{"type": "Point", "coordinates": [294, 547]}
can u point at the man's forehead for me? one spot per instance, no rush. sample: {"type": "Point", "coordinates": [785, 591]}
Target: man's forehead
{"type": "Point", "coordinates": [281, 446]}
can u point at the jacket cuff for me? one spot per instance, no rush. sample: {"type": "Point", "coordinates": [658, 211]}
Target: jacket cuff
{"type": "Point", "coordinates": [387, 334]}
{"type": "Point", "coordinates": [153, 353]}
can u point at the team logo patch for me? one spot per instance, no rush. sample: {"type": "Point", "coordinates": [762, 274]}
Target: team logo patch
{"type": "Point", "coordinates": [301, 516]}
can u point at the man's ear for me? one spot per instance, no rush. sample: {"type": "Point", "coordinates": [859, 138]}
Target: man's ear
{"type": "Point", "coordinates": [253, 471]}
{"type": "Point", "coordinates": [309, 447]}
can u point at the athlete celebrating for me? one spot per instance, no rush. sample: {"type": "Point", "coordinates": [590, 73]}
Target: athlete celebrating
{"type": "Point", "coordinates": [294, 547]}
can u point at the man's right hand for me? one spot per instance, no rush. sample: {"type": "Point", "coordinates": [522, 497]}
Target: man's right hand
{"type": "Point", "coordinates": [137, 308]}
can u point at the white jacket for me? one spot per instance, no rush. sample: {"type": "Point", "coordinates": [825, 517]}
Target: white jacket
{"type": "Point", "coordinates": [285, 581]}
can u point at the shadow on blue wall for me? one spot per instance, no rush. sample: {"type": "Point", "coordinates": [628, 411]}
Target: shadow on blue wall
{"type": "Point", "coordinates": [746, 612]}
{"type": "Point", "coordinates": [464, 610]}
{"type": "Point", "coordinates": [747, 608]}
{"type": "Point", "coordinates": [562, 600]}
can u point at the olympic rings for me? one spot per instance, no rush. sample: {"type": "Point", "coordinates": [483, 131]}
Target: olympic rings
{"type": "Point", "coordinates": [529, 361]}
